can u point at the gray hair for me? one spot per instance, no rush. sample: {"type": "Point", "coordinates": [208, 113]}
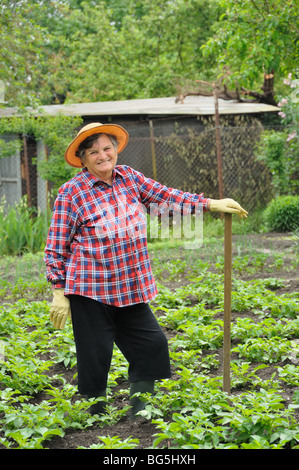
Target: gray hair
{"type": "Point", "coordinates": [89, 141]}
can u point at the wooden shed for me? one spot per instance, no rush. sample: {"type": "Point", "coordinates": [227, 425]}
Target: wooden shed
{"type": "Point", "coordinates": [148, 122]}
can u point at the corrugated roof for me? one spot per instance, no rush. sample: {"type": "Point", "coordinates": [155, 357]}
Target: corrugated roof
{"type": "Point", "coordinates": [192, 105]}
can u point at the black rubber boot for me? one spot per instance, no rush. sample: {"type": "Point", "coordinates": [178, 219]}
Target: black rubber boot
{"type": "Point", "coordinates": [142, 386]}
{"type": "Point", "coordinates": [98, 408]}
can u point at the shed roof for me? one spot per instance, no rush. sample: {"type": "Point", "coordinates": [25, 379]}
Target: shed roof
{"type": "Point", "coordinates": [192, 105]}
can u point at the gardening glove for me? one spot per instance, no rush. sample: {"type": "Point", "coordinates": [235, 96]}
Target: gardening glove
{"type": "Point", "coordinates": [227, 205]}
{"type": "Point", "coordinates": [60, 309]}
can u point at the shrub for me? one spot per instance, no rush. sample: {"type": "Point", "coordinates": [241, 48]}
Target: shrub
{"type": "Point", "coordinates": [22, 228]}
{"type": "Point", "coordinates": [272, 151]}
{"type": "Point", "coordinates": [282, 214]}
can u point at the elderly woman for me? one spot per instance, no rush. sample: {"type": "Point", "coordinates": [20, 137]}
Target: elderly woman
{"type": "Point", "coordinates": [98, 264]}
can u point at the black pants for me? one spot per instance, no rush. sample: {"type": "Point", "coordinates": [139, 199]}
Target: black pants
{"type": "Point", "coordinates": [134, 329]}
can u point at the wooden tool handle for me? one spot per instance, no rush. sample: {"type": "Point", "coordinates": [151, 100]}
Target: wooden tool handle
{"type": "Point", "coordinates": [227, 301]}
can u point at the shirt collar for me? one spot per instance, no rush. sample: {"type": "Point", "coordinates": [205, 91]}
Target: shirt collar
{"type": "Point", "coordinates": [91, 180]}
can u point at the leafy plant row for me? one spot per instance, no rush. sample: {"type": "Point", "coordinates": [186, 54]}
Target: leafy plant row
{"type": "Point", "coordinates": [203, 415]}
{"type": "Point", "coordinates": [31, 350]}
{"type": "Point", "coordinates": [190, 410]}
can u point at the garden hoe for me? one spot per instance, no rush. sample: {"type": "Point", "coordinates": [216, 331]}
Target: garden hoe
{"type": "Point", "coordinates": [227, 301]}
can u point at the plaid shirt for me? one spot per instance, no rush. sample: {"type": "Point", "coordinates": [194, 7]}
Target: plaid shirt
{"type": "Point", "coordinates": [97, 244]}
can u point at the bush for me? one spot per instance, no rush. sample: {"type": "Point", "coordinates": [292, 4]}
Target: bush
{"type": "Point", "coordinates": [22, 228]}
{"type": "Point", "coordinates": [272, 150]}
{"type": "Point", "coordinates": [282, 214]}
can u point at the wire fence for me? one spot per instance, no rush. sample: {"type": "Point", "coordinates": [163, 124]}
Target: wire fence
{"type": "Point", "coordinates": [188, 161]}
{"type": "Point", "coordinates": [181, 153]}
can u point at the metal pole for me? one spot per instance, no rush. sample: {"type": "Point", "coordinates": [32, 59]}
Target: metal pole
{"type": "Point", "coordinates": [218, 144]}
{"type": "Point", "coordinates": [153, 150]}
{"type": "Point", "coordinates": [227, 301]}
{"type": "Point", "coordinates": [26, 166]}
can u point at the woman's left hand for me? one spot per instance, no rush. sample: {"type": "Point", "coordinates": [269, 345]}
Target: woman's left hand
{"type": "Point", "coordinates": [227, 205]}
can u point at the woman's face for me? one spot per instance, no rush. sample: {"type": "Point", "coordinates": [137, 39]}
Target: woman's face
{"type": "Point", "coordinates": [101, 158]}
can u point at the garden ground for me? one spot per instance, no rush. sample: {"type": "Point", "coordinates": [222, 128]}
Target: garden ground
{"type": "Point", "coordinates": [272, 256]}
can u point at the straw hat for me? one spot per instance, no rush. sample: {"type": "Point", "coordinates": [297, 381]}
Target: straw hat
{"type": "Point", "coordinates": [117, 131]}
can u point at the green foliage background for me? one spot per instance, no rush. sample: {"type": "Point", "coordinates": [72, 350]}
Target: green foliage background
{"type": "Point", "coordinates": [65, 51]}
{"type": "Point", "coordinates": [98, 50]}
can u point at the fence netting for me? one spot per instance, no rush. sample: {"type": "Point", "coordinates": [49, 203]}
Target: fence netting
{"type": "Point", "coordinates": [186, 159]}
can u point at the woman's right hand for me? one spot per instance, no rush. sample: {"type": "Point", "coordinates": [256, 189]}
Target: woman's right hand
{"type": "Point", "coordinates": [60, 308]}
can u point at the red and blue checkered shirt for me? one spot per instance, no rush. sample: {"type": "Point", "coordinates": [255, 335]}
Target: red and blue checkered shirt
{"type": "Point", "coordinates": [97, 244]}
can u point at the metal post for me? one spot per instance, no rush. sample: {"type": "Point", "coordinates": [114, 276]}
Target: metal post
{"type": "Point", "coordinates": [218, 144]}
{"type": "Point", "coordinates": [153, 150]}
{"type": "Point", "coordinates": [26, 166]}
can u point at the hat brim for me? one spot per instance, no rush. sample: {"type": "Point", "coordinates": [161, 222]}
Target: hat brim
{"type": "Point", "coordinates": [117, 131]}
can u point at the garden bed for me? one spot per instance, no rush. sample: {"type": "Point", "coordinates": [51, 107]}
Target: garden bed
{"type": "Point", "coordinates": [41, 408]}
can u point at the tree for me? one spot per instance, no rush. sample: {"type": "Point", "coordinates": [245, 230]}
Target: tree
{"type": "Point", "coordinates": [97, 50]}
{"type": "Point", "coordinates": [255, 41]}
{"type": "Point", "coordinates": [75, 50]}
{"type": "Point", "coordinates": [140, 49]}
{"type": "Point", "coordinates": [25, 47]}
